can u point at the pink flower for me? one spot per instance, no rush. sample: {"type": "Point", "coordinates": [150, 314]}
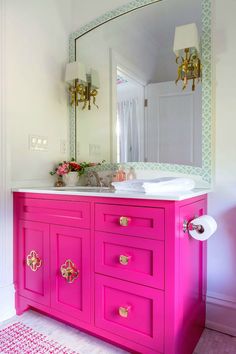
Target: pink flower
{"type": "Point", "coordinates": [63, 169]}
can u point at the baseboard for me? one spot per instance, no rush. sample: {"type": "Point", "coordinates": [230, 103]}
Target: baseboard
{"type": "Point", "coordinates": [7, 302]}
{"type": "Point", "coordinates": [221, 313]}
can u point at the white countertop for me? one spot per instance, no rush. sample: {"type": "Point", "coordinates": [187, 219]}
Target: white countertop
{"type": "Point", "coordinates": [108, 193]}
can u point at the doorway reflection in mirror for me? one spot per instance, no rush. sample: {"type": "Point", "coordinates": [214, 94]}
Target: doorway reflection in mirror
{"type": "Point", "coordinates": [130, 117]}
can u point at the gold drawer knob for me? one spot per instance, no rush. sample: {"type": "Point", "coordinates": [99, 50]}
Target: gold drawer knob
{"type": "Point", "coordinates": [69, 271]}
{"type": "Point", "coordinates": [124, 221]}
{"type": "Point", "coordinates": [33, 261]}
{"type": "Point", "coordinates": [124, 260]}
{"type": "Point", "coordinates": [124, 311]}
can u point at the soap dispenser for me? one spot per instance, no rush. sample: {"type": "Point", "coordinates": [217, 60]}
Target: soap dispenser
{"type": "Point", "coordinates": [120, 175]}
{"type": "Point", "coordinates": [131, 174]}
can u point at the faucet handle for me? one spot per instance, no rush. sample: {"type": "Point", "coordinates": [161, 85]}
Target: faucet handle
{"type": "Point", "coordinates": [95, 175]}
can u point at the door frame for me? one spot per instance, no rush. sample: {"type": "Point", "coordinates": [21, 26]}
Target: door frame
{"type": "Point", "coordinates": [117, 61]}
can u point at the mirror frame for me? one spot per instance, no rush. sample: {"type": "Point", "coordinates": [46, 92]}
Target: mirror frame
{"type": "Point", "coordinates": [205, 172]}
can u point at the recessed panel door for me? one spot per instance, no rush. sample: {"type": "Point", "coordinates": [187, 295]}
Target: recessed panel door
{"type": "Point", "coordinates": [33, 261]}
{"type": "Point", "coordinates": [173, 124]}
{"type": "Point", "coordinates": [70, 271]}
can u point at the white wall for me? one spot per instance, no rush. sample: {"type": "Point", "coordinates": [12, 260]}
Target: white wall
{"type": "Point", "coordinates": [33, 51]}
{"type": "Point", "coordinates": [222, 202]}
{"type": "Point", "coordinates": [6, 286]}
{"type": "Point", "coordinates": [36, 104]}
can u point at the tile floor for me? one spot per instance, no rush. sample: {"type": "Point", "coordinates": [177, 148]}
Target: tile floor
{"type": "Point", "coordinates": [211, 342]}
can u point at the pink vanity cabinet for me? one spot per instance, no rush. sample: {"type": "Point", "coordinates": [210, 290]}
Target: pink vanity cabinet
{"type": "Point", "coordinates": [119, 268]}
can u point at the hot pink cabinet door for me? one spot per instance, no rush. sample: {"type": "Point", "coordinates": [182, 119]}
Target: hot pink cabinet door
{"type": "Point", "coordinates": [34, 261]}
{"type": "Point", "coordinates": [131, 311]}
{"type": "Point", "coordinates": [70, 271]}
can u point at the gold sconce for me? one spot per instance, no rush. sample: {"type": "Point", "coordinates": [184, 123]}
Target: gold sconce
{"type": "Point", "coordinates": [85, 85]}
{"type": "Point", "coordinates": [186, 46]}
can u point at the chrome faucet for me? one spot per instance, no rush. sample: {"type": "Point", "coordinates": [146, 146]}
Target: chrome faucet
{"type": "Point", "coordinates": [91, 174]}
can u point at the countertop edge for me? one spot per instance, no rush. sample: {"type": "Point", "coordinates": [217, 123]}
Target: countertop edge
{"type": "Point", "coordinates": [113, 194]}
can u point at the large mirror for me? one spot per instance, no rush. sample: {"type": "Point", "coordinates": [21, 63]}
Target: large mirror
{"type": "Point", "coordinates": [142, 115]}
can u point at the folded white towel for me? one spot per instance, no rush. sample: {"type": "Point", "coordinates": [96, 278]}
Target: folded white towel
{"type": "Point", "coordinates": [157, 185]}
{"type": "Point", "coordinates": [136, 185]}
{"type": "Point", "coordinates": [171, 186]}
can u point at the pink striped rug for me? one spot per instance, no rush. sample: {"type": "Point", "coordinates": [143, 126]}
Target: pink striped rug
{"type": "Point", "coordinates": [21, 339]}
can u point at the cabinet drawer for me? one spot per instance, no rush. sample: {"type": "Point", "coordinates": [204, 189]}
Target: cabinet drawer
{"type": "Point", "coordinates": [131, 311]}
{"type": "Point", "coordinates": [62, 212]}
{"type": "Point", "coordinates": [138, 260]}
{"type": "Point", "coordinates": [130, 220]}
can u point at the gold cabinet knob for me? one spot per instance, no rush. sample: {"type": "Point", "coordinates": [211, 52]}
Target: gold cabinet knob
{"type": "Point", "coordinates": [124, 311]}
{"type": "Point", "coordinates": [125, 221]}
{"type": "Point", "coordinates": [33, 261]}
{"type": "Point", "coordinates": [69, 271]}
{"type": "Point", "coordinates": [124, 260]}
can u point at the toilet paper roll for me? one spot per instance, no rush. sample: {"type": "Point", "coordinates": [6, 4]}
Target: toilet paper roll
{"type": "Point", "coordinates": [209, 227]}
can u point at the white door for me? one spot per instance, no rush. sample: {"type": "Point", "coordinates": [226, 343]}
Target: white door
{"type": "Point", "coordinates": [173, 132]}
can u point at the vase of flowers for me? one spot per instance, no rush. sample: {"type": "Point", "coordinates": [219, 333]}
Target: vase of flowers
{"type": "Point", "coordinates": [71, 179]}
{"type": "Point", "coordinates": [69, 172]}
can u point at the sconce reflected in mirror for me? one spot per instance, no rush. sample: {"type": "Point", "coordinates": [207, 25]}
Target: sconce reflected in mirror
{"type": "Point", "coordinates": [85, 84]}
{"type": "Point", "coordinates": [186, 46]}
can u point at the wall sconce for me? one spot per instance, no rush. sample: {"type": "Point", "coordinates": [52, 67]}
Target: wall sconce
{"type": "Point", "coordinates": [186, 45]}
{"type": "Point", "coordinates": [90, 91]}
{"type": "Point", "coordinates": [84, 88]}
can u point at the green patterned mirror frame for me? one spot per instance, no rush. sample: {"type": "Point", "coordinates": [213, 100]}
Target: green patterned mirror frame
{"type": "Point", "coordinates": [206, 170]}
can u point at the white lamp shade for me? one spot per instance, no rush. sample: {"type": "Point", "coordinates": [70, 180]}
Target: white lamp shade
{"type": "Point", "coordinates": [95, 83]}
{"type": "Point", "coordinates": [186, 37]}
{"type": "Point", "coordinates": [75, 70]}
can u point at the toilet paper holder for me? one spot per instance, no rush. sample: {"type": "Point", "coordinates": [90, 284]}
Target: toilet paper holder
{"type": "Point", "coordinates": [189, 226]}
